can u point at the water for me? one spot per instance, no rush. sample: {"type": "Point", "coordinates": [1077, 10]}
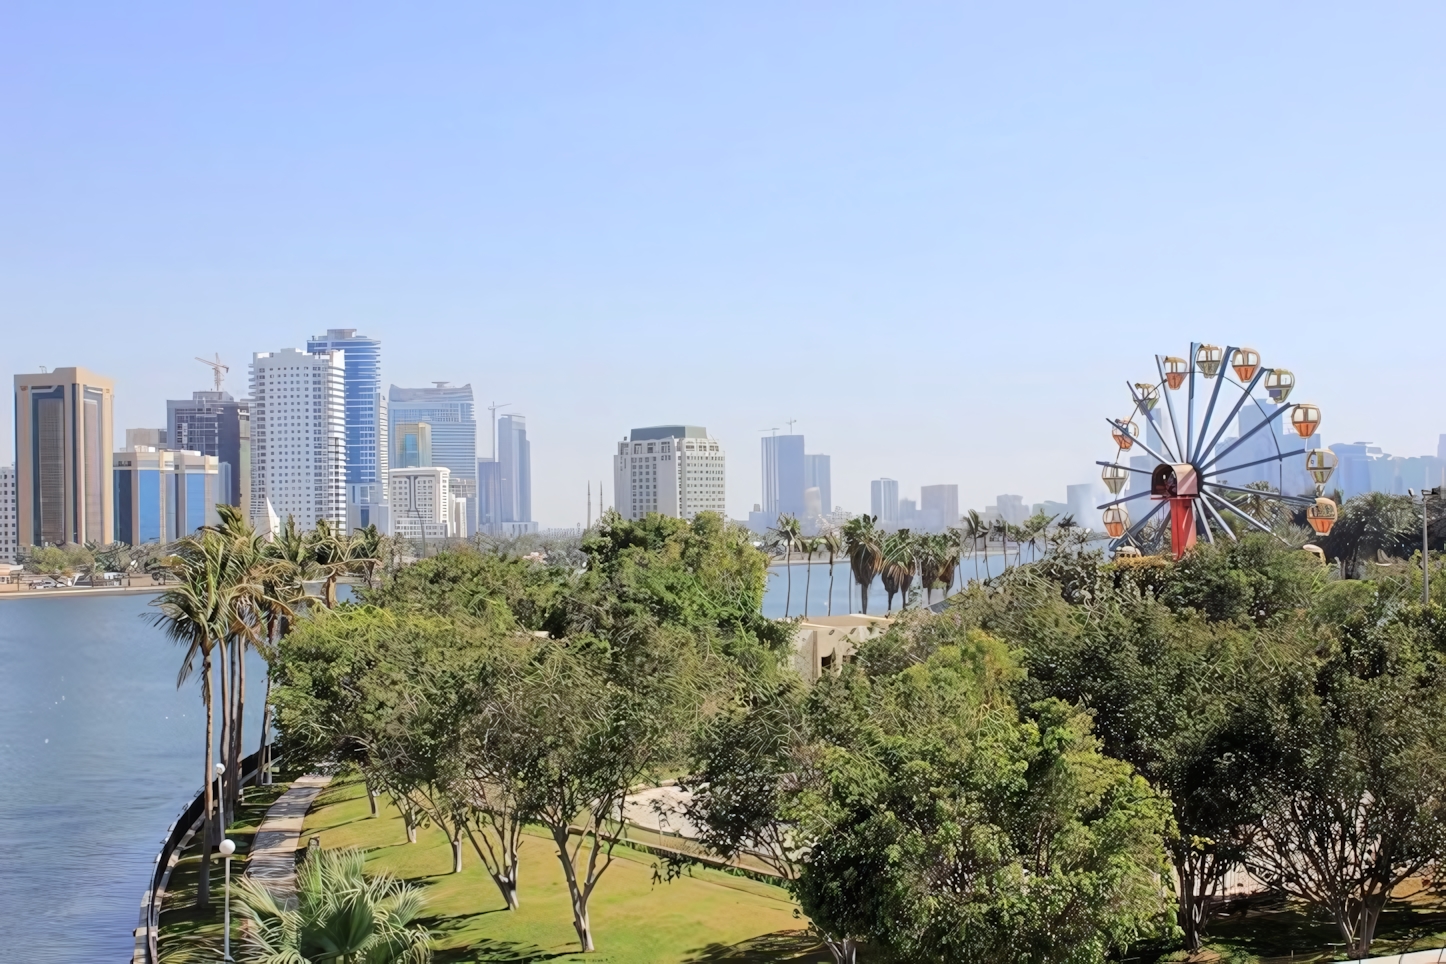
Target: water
{"type": "Point", "coordinates": [845, 590]}
{"type": "Point", "coordinates": [98, 753]}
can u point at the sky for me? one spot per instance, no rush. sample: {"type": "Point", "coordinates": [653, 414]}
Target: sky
{"type": "Point", "coordinates": [941, 237]}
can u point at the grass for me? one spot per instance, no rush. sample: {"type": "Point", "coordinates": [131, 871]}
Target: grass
{"type": "Point", "coordinates": [707, 916]}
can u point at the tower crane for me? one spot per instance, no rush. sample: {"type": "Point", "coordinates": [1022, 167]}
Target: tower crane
{"type": "Point", "coordinates": [217, 369]}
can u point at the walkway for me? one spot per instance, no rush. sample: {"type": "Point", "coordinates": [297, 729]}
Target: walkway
{"type": "Point", "coordinates": [273, 852]}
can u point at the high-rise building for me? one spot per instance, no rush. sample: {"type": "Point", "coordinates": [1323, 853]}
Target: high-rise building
{"type": "Point", "coordinates": [421, 502]}
{"type": "Point", "coordinates": [817, 474]}
{"type": "Point", "coordinates": [1082, 499]}
{"type": "Point", "coordinates": [884, 501]}
{"type": "Point", "coordinates": [411, 445]}
{"type": "Point", "coordinates": [154, 437]}
{"type": "Point", "coordinates": [162, 495]}
{"type": "Point", "coordinates": [514, 470]}
{"type": "Point", "coordinates": [8, 539]}
{"type": "Point", "coordinates": [783, 475]}
{"type": "Point", "coordinates": [675, 470]}
{"type": "Point", "coordinates": [63, 433]}
{"type": "Point", "coordinates": [939, 506]}
{"type": "Point", "coordinates": [451, 413]}
{"type": "Point", "coordinates": [298, 438]}
{"type": "Point", "coordinates": [215, 424]}
{"type": "Point", "coordinates": [366, 416]}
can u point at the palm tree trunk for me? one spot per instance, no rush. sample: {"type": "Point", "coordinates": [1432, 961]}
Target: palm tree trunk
{"type": "Point", "coordinates": [261, 751]}
{"type": "Point", "coordinates": [788, 568]}
{"type": "Point", "coordinates": [240, 718]}
{"type": "Point", "coordinates": [203, 885]}
{"type": "Point", "coordinates": [830, 583]}
{"type": "Point", "coordinates": [807, 583]}
{"type": "Point", "coordinates": [221, 808]}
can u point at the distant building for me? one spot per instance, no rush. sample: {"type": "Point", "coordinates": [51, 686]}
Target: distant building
{"type": "Point", "coordinates": [298, 438]}
{"type": "Point", "coordinates": [154, 437]}
{"type": "Point", "coordinates": [9, 543]}
{"type": "Point", "coordinates": [162, 495]}
{"type": "Point", "coordinates": [1010, 508]}
{"type": "Point", "coordinates": [939, 507]}
{"type": "Point", "coordinates": [63, 433]}
{"type": "Point", "coordinates": [514, 473]}
{"type": "Point", "coordinates": [676, 470]}
{"type": "Point", "coordinates": [365, 417]}
{"type": "Point", "coordinates": [421, 502]}
{"type": "Point", "coordinates": [212, 423]}
{"type": "Point", "coordinates": [411, 445]}
{"type": "Point", "coordinates": [1082, 501]}
{"type": "Point", "coordinates": [818, 474]}
{"type": "Point", "coordinates": [884, 501]}
{"type": "Point", "coordinates": [451, 412]}
{"type": "Point", "coordinates": [783, 475]}
{"type": "Point", "coordinates": [908, 516]}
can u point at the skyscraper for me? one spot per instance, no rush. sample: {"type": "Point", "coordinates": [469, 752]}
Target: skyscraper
{"type": "Point", "coordinates": [817, 474]}
{"type": "Point", "coordinates": [452, 416]}
{"type": "Point", "coordinates": [298, 437]}
{"type": "Point", "coordinates": [63, 432]}
{"type": "Point", "coordinates": [421, 502]}
{"type": "Point", "coordinates": [783, 475]}
{"type": "Point", "coordinates": [8, 543]}
{"type": "Point", "coordinates": [366, 417]}
{"type": "Point", "coordinates": [162, 495]}
{"type": "Point", "coordinates": [411, 445]}
{"type": "Point", "coordinates": [884, 501]}
{"type": "Point", "coordinates": [514, 470]}
{"type": "Point", "coordinates": [676, 470]}
{"type": "Point", "coordinates": [212, 423]}
{"type": "Point", "coordinates": [939, 506]}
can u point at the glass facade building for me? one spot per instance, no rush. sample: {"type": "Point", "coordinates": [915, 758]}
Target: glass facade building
{"type": "Point", "coordinates": [451, 413]}
{"type": "Point", "coordinates": [214, 423]}
{"type": "Point", "coordinates": [365, 412]}
{"type": "Point", "coordinates": [63, 431]}
{"type": "Point", "coordinates": [162, 495]}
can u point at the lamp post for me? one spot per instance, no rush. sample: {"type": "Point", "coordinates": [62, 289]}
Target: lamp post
{"type": "Point", "coordinates": [1425, 543]}
{"type": "Point", "coordinates": [221, 800]}
{"type": "Point", "coordinates": [227, 848]}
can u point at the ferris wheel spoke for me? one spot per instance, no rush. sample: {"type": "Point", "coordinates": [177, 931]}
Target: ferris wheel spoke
{"type": "Point", "coordinates": [1245, 391]}
{"type": "Point", "coordinates": [1129, 534]}
{"type": "Point", "coordinates": [1190, 412]}
{"type": "Point", "coordinates": [1148, 451]}
{"type": "Point", "coordinates": [1219, 519]}
{"type": "Point", "coordinates": [1170, 404]}
{"type": "Point", "coordinates": [1227, 504]}
{"type": "Point", "coordinates": [1128, 498]}
{"type": "Point", "coordinates": [1238, 442]}
{"type": "Point", "coordinates": [1202, 522]}
{"type": "Point", "coordinates": [1270, 496]}
{"type": "Point", "coordinates": [1245, 465]}
{"type": "Point", "coordinates": [1220, 376]}
{"type": "Point", "coordinates": [1127, 468]}
{"type": "Point", "coordinates": [1150, 417]}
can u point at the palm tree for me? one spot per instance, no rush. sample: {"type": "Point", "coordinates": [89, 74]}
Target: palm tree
{"type": "Point", "coordinates": [200, 612]}
{"type": "Point", "coordinates": [787, 534]}
{"type": "Point", "coordinates": [900, 560]}
{"type": "Point", "coordinates": [337, 917]}
{"type": "Point", "coordinates": [976, 528]}
{"type": "Point", "coordinates": [832, 543]}
{"type": "Point", "coordinates": [367, 551]}
{"type": "Point", "coordinates": [864, 543]}
{"type": "Point", "coordinates": [334, 558]}
{"type": "Point", "coordinates": [809, 545]}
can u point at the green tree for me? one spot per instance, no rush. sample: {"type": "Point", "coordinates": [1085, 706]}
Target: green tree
{"type": "Point", "coordinates": [832, 543]}
{"type": "Point", "coordinates": [1370, 524]}
{"type": "Point", "coordinates": [901, 552]}
{"type": "Point", "coordinates": [339, 916]}
{"type": "Point", "coordinates": [787, 535]}
{"type": "Point", "coordinates": [865, 545]}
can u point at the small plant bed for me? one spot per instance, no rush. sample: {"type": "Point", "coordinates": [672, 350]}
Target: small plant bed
{"type": "Point", "coordinates": [638, 916]}
{"type": "Point", "coordinates": [1272, 930]}
{"type": "Point", "coordinates": [189, 933]}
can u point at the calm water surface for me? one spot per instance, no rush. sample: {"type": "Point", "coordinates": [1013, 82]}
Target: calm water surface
{"type": "Point", "coordinates": [98, 753]}
{"type": "Point", "coordinates": [845, 590]}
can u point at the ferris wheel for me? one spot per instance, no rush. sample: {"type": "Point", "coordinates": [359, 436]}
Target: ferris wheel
{"type": "Point", "coordinates": [1193, 475]}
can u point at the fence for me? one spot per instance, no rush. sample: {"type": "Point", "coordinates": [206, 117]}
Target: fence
{"type": "Point", "coordinates": [187, 822]}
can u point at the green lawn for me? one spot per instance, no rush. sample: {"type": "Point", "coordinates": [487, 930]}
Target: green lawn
{"type": "Point", "coordinates": [708, 916]}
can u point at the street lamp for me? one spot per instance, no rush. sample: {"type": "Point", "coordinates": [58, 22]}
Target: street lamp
{"type": "Point", "coordinates": [227, 848]}
{"type": "Point", "coordinates": [1425, 545]}
{"type": "Point", "coordinates": [221, 799]}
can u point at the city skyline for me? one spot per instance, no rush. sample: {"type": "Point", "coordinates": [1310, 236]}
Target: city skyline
{"type": "Point", "coordinates": [957, 231]}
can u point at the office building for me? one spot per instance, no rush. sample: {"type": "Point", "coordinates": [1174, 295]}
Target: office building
{"type": "Point", "coordinates": [154, 437]}
{"type": "Point", "coordinates": [212, 423]}
{"type": "Point", "coordinates": [512, 500]}
{"type": "Point", "coordinates": [9, 544]}
{"type": "Point", "coordinates": [1082, 500]}
{"type": "Point", "coordinates": [411, 445]}
{"type": "Point", "coordinates": [817, 474]}
{"type": "Point", "coordinates": [938, 507]}
{"type": "Point", "coordinates": [451, 414]}
{"type": "Point", "coordinates": [162, 495]}
{"type": "Point", "coordinates": [365, 419]}
{"type": "Point", "coordinates": [63, 436]}
{"type": "Point", "coordinates": [783, 475]}
{"type": "Point", "coordinates": [675, 470]}
{"type": "Point", "coordinates": [298, 438]}
{"type": "Point", "coordinates": [884, 501]}
{"type": "Point", "coordinates": [421, 502]}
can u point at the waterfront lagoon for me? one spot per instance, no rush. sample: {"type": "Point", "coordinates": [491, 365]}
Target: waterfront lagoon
{"type": "Point", "coordinates": [98, 753]}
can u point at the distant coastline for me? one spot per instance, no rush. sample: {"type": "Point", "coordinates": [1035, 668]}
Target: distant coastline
{"type": "Point", "coordinates": [89, 591]}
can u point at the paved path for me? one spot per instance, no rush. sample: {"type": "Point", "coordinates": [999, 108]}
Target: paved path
{"type": "Point", "coordinates": [273, 852]}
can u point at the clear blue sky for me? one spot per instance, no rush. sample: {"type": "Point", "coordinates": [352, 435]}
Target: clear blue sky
{"type": "Point", "coordinates": [938, 236]}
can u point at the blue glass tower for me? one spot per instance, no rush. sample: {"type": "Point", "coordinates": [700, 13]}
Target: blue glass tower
{"type": "Point", "coordinates": [366, 422]}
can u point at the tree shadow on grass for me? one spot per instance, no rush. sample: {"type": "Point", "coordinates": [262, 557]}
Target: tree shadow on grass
{"type": "Point", "coordinates": [799, 946]}
{"type": "Point", "coordinates": [496, 952]}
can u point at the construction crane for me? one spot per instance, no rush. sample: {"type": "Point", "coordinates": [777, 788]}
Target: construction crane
{"type": "Point", "coordinates": [217, 369]}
